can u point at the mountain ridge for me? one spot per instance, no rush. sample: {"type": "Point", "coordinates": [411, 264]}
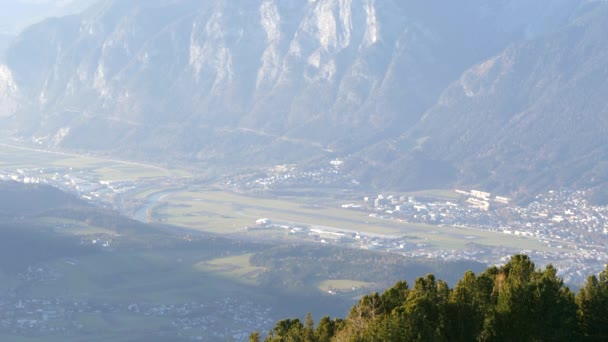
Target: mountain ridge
{"type": "Point", "coordinates": [273, 82]}
{"type": "Point", "coordinates": [531, 115]}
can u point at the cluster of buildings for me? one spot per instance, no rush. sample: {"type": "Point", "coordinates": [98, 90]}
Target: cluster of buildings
{"type": "Point", "coordinates": [223, 319]}
{"type": "Point", "coordinates": [481, 199]}
{"type": "Point", "coordinates": [85, 185]}
{"type": "Point", "coordinates": [328, 174]}
{"type": "Point", "coordinates": [574, 230]}
{"type": "Point", "coordinates": [218, 319]}
{"type": "Point", "coordinates": [37, 317]}
{"type": "Point", "coordinates": [562, 219]}
{"type": "Point", "coordinates": [562, 216]}
{"type": "Point", "coordinates": [336, 236]}
{"type": "Point", "coordinates": [554, 216]}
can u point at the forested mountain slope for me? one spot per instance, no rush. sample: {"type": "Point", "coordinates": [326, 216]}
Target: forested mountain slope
{"type": "Point", "coordinates": [514, 302]}
{"type": "Point", "coordinates": [533, 116]}
{"type": "Point", "coordinates": [505, 95]}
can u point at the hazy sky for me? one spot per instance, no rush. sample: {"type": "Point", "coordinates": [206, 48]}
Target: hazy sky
{"type": "Point", "coordinates": [17, 14]}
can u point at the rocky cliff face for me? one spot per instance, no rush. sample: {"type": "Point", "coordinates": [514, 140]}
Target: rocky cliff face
{"type": "Point", "coordinates": [276, 81]}
{"type": "Point", "coordinates": [315, 71]}
{"type": "Point", "coordinates": [8, 92]}
{"type": "Point", "coordinates": [530, 118]}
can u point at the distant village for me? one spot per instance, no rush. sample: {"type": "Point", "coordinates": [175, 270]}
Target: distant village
{"type": "Point", "coordinates": [564, 220]}
{"type": "Point", "coordinates": [575, 231]}
{"type": "Point", "coordinates": [43, 317]}
{"type": "Point", "coordinates": [286, 176]}
{"type": "Point", "coordinates": [196, 321]}
{"type": "Point", "coordinates": [87, 186]}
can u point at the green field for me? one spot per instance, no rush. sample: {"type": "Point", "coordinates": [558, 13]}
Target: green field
{"type": "Point", "coordinates": [14, 158]}
{"type": "Point", "coordinates": [235, 267]}
{"type": "Point", "coordinates": [164, 276]}
{"type": "Point", "coordinates": [146, 277]}
{"type": "Point", "coordinates": [225, 212]}
{"type": "Point", "coordinates": [73, 227]}
{"type": "Point", "coordinates": [147, 192]}
{"type": "Point", "coordinates": [228, 213]}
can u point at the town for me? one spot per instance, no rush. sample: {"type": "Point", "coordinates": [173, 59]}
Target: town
{"type": "Point", "coordinates": [573, 230]}
{"type": "Point", "coordinates": [563, 220]}
{"type": "Point", "coordinates": [67, 316]}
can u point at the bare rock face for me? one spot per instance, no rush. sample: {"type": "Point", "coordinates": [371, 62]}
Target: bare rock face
{"type": "Point", "coordinates": [318, 71]}
{"type": "Point", "coordinates": [238, 81]}
{"type": "Point", "coordinates": [8, 92]}
{"type": "Point", "coordinates": [528, 119]}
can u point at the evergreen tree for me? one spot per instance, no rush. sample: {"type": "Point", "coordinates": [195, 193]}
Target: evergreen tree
{"type": "Point", "coordinates": [326, 329]}
{"type": "Point", "coordinates": [254, 336]}
{"type": "Point", "coordinates": [515, 302]}
{"type": "Point", "coordinates": [554, 307]}
{"type": "Point", "coordinates": [592, 303]}
{"type": "Point", "coordinates": [420, 318]}
{"type": "Point", "coordinates": [287, 330]}
{"type": "Point", "coordinates": [309, 329]}
{"type": "Point", "coordinates": [465, 312]}
{"type": "Point", "coordinates": [394, 297]}
{"type": "Point", "coordinates": [532, 305]}
{"type": "Point", "coordinates": [361, 316]}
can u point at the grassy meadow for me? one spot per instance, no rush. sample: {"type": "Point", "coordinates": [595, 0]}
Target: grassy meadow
{"type": "Point", "coordinates": [105, 169]}
{"type": "Point", "coordinates": [229, 213]}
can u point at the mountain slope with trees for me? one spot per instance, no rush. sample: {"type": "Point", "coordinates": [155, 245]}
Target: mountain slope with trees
{"type": "Point", "coordinates": [528, 119]}
{"type": "Point", "coordinates": [514, 302]}
{"type": "Point", "coordinates": [507, 95]}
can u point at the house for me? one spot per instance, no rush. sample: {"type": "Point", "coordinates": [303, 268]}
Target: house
{"type": "Point", "coordinates": [263, 222]}
{"type": "Point", "coordinates": [480, 194]}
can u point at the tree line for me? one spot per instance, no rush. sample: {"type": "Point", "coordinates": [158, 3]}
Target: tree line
{"type": "Point", "coordinates": [300, 267]}
{"type": "Point", "coordinates": [514, 302]}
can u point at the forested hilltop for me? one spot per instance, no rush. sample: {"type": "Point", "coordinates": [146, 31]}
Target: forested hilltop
{"type": "Point", "coordinates": [514, 302]}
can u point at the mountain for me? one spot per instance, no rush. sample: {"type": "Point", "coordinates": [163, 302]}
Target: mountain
{"type": "Point", "coordinates": [530, 118]}
{"type": "Point", "coordinates": [262, 82]}
{"type": "Point", "coordinates": [5, 40]}
{"type": "Point", "coordinates": [15, 15]}
{"type": "Point", "coordinates": [8, 92]}
{"type": "Point", "coordinates": [17, 199]}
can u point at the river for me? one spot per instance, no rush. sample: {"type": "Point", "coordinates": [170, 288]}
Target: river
{"type": "Point", "coordinates": [151, 202]}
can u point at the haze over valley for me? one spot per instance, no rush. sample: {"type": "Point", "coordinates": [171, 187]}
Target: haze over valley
{"type": "Point", "coordinates": [184, 162]}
